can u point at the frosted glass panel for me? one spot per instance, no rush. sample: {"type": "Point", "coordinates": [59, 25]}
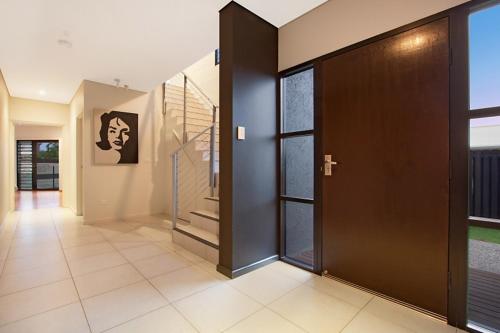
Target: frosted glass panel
{"type": "Point", "coordinates": [298, 102]}
{"type": "Point", "coordinates": [298, 167]}
{"type": "Point", "coordinates": [299, 232]}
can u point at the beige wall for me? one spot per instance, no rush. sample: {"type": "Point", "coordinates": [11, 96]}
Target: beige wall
{"type": "Point", "coordinates": [27, 112]}
{"type": "Point", "coordinates": [34, 132]}
{"type": "Point", "coordinates": [5, 190]}
{"type": "Point", "coordinates": [120, 191]}
{"type": "Point", "coordinates": [340, 23]}
{"type": "Point", "coordinates": [76, 108]}
{"type": "Point", "coordinates": [205, 75]}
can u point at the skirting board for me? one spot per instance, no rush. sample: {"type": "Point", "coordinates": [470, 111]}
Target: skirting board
{"type": "Point", "coordinates": [247, 269]}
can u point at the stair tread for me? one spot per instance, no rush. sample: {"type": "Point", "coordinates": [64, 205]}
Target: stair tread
{"type": "Point", "coordinates": [207, 214]}
{"type": "Point", "coordinates": [199, 233]}
{"type": "Point", "coordinates": [212, 198]}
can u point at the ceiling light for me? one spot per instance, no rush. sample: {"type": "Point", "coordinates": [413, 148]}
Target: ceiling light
{"type": "Point", "coordinates": [42, 92]}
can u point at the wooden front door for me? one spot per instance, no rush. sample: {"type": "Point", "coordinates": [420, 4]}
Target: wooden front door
{"type": "Point", "coordinates": [385, 207]}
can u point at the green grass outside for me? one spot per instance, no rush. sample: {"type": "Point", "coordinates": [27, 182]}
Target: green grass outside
{"type": "Point", "coordinates": [485, 234]}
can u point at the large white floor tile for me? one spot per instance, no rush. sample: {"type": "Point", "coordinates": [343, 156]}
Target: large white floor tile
{"type": "Point", "coordinates": [356, 297]}
{"type": "Point", "coordinates": [166, 319]}
{"type": "Point", "coordinates": [36, 300]}
{"type": "Point", "coordinates": [161, 264]}
{"type": "Point", "coordinates": [314, 311]}
{"type": "Point", "coordinates": [265, 321]}
{"type": "Point", "coordinates": [99, 282]}
{"type": "Point", "coordinates": [217, 308]}
{"type": "Point", "coordinates": [96, 263]}
{"type": "Point", "coordinates": [66, 319]}
{"type": "Point", "coordinates": [290, 271]}
{"type": "Point", "coordinates": [10, 283]}
{"type": "Point", "coordinates": [89, 250]}
{"type": "Point", "coordinates": [264, 285]}
{"type": "Point", "coordinates": [184, 282]}
{"type": "Point", "coordinates": [142, 252]}
{"type": "Point", "coordinates": [366, 322]}
{"type": "Point", "coordinates": [49, 249]}
{"type": "Point", "coordinates": [118, 306]}
{"type": "Point", "coordinates": [18, 265]}
{"type": "Point", "coordinates": [406, 317]}
{"type": "Point", "coordinates": [82, 240]}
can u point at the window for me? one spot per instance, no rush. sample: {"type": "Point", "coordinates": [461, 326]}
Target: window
{"type": "Point", "coordinates": [297, 167]}
{"type": "Point", "coordinates": [484, 56]}
{"type": "Point", "coordinates": [484, 170]}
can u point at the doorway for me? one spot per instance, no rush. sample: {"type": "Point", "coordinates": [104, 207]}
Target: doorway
{"type": "Point", "coordinates": [37, 165]}
{"type": "Point", "coordinates": [385, 215]}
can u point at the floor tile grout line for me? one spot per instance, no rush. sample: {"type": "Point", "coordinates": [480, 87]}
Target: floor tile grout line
{"type": "Point", "coordinates": [34, 287]}
{"type": "Point", "coordinates": [357, 313]}
{"type": "Point", "coordinates": [134, 318]}
{"type": "Point", "coordinates": [72, 278]}
{"type": "Point", "coordinates": [4, 263]}
{"type": "Point", "coordinates": [43, 312]}
{"type": "Point", "coordinates": [38, 314]}
{"type": "Point", "coordinates": [161, 294]}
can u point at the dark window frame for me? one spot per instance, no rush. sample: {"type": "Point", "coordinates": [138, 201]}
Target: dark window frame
{"type": "Point", "coordinates": [34, 162]}
{"type": "Point", "coordinates": [282, 174]}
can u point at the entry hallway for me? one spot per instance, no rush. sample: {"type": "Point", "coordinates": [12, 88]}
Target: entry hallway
{"type": "Point", "coordinates": [59, 275]}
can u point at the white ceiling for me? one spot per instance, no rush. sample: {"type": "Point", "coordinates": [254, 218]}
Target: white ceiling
{"type": "Point", "coordinates": [141, 42]}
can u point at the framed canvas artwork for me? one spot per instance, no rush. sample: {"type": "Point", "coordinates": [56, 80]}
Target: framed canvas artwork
{"type": "Point", "coordinates": [116, 137]}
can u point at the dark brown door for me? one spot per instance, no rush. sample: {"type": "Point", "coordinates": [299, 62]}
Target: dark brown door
{"type": "Point", "coordinates": [385, 208]}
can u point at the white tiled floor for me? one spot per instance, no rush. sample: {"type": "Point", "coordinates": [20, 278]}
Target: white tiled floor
{"type": "Point", "coordinates": [58, 275]}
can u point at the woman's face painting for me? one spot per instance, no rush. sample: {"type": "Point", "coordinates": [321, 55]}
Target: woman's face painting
{"type": "Point", "coordinates": [118, 133]}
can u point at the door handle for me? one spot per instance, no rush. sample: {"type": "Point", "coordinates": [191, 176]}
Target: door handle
{"type": "Point", "coordinates": [328, 165]}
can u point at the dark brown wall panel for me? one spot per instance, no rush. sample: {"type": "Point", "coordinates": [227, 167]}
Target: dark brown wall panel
{"type": "Point", "coordinates": [248, 97]}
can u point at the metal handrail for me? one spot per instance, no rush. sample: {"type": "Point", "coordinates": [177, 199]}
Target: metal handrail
{"type": "Point", "coordinates": [192, 139]}
{"type": "Point", "coordinates": [175, 154]}
{"type": "Point", "coordinates": [200, 91]}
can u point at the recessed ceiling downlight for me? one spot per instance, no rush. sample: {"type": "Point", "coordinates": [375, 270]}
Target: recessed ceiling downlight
{"type": "Point", "coordinates": [65, 43]}
{"type": "Point", "coordinates": [42, 92]}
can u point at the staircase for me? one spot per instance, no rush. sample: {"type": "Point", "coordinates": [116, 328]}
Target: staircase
{"type": "Point", "coordinates": [195, 168]}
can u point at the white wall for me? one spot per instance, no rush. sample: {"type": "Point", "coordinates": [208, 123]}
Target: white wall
{"type": "Point", "coordinates": [485, 136]}
{"type": "Point", "coordinates": [340, 23]}
{"type": "Point", "coordinates": [205, 75]}
{"type": "Point", "coordinates": [120, 191]}
{"type": "Point", "coordinates": [27, 112]}
{"type": "Point", "coordinates": [5, 190]}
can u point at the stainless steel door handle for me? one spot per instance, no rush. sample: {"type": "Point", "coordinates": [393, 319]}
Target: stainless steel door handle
{"type": "Point", "coordinates": [328, 165]}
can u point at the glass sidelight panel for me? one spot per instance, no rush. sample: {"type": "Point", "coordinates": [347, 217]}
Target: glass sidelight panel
{"type": "Point", "coordinates": [484, 233]}
{"type": "Point", "coordinates": [485, 168]}
{"type": "Point", "coordinates": [47, 165]}
{"type": "Point", "coordinates": [298, 167]}
{"type": "Point", "coordinates": [484, 50]}
{"type": "Point", "coordinates": [298, 102]}
{"type": "Point", "coordinates": [299, 231]}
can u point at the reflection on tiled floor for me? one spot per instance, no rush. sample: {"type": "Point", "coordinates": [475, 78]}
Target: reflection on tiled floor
{"type": "Point", "coordinates": [59, 275]}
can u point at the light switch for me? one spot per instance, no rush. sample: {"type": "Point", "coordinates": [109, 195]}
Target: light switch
{"type": "Point", "coordinates": [240, 133]}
